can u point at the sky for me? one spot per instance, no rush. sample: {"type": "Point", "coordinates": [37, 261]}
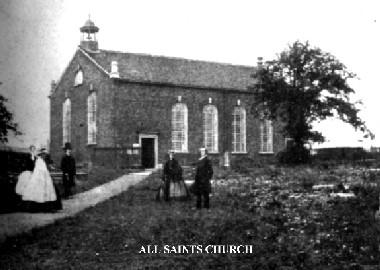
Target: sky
{"type": "Point", "coordinates": [39, 37]}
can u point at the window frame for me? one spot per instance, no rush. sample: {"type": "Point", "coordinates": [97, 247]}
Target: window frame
{"type": "Point", "coordinates": [177, 108]}
{"type": "Point", "coordinates": [66, 121]}
{"type": "Point", "coordinates": [79, 78]}
{"type": "Point", "coordinates": [266, 126]}
{"type": "Point", "coordinates": [214, 130]}
{"type": "Point", "coordinates": [241, 111]}
{"type": "Point", "coordinates": [92, 118]}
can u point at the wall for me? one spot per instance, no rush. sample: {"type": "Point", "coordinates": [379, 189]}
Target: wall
{"type": "Point", "coordinates": [125, 109]}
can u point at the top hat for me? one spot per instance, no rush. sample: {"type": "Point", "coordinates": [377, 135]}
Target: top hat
{"type": "Point", "coordinates": [67, 146]}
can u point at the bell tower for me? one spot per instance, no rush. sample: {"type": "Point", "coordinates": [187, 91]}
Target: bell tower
{"type": "Point", "coordinates": [88, 36]}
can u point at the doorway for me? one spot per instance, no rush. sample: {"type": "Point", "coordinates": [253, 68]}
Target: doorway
{"type": "Point", "coordinates": [148, 151]}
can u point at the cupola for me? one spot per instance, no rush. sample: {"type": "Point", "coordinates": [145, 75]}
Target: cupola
{"type": "Point", "coordinates": [88, 36]}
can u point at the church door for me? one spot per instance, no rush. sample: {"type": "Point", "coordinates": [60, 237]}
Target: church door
{"type": "Point", "coordinates": [147, 152]}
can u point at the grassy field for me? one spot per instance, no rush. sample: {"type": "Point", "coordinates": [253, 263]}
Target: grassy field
{"type": "Point", "coordinates": [289, 224]}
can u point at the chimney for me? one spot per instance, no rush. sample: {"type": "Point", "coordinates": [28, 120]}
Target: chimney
{"type": "Point", "coordinates": [114, 70]}
{"type": "Point", "coordinates": [53, 85]}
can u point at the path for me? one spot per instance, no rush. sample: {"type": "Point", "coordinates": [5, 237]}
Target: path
{"type": "Point", "coordinates": [16, 223]}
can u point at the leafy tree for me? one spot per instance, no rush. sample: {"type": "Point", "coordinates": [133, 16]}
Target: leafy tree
{"type": "Point", "coordinates": [6, 121]}
{"type": "Point", "coordinates": [301, 86]}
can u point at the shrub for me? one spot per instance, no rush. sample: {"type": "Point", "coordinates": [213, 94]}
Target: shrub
{"type": "Point", "coordinates": [294, 154]}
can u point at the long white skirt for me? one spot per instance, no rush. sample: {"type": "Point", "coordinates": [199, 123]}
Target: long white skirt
{"type": "Point", "coordinates": [40, 187]}
{"type": "Point", "coordinates": [22, 182]}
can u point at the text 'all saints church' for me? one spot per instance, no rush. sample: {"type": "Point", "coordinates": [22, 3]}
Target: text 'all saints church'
{"type": "Point", "coordinates": [127, 109]}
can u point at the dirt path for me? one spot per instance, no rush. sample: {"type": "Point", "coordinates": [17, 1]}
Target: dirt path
{"type": "Point", "coordinates": [16, 223]}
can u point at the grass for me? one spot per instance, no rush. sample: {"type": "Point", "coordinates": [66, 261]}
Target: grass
{"type": "Point", "coordinates": [97, 176]}
{"type": "Point", "coordinates": [272, 209]}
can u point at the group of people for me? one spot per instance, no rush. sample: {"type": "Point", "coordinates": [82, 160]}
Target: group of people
{"type": "Point", "coordinates": [174, 187]}
{"type": "Point", "coordinates": [36, 189]}
{"type": "Point", "coordinates": [39, 193]}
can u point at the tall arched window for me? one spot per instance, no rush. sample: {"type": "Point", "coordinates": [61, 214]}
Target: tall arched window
{"type": "Point", "coordinates": [66, 121]}
{"type": "Point", "coordinates": [78, 78]}
{"type": "Point", "coordinates": [91, 118]}
{"type": "Point", "coordinates": [239, 130]}
{"type": "Point", "coordinates": [266, 136]}
{"type": "Point", "coordinates": [179, 127]}
{"type": "Point", "coordinates": [210, 128]}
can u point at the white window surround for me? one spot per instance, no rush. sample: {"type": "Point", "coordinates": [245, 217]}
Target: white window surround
{"type": "Point", "coordinates": [91, 118]}
{"type": "Point", "coordinates": [179, 132]}
{"type": "Point", "coordinates": [239, 145]}
{"type": "Point", "coordinates": [66, 121]}
{"type": "Point", "coordinates": [78, 78]}
{"type": "Point", "coordinates": [210, 128]}
{"type": "Point", "coordinates": [266, 137]}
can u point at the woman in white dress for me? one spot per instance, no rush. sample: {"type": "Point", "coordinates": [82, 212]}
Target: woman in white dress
{"type": "Point", "coordinates": [38, 192]}
{"type": "Point", "coordinates": [24, 177]}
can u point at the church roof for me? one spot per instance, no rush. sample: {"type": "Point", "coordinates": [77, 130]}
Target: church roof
{"type": "Point", "coordinates": [175, 71]}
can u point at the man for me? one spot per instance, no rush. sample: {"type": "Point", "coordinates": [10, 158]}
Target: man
{"type": "Point", "coordinates": [68, 170]}
{"type": "Point", "coordinates": [203, 175]}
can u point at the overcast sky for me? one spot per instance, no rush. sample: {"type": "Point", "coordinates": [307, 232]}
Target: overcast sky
{"type": "Point", "coordinates": [38, 39]}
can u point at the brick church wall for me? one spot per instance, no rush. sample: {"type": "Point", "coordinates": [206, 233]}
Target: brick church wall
{"type": "Point", "coordinates": [126, 109]}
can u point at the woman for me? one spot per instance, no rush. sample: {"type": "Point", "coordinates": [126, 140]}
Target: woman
{"type": "Point", "coordinates": [24, 177]}
{"type": "Point", "coordinates": [38, 193]}
{"type": "Point", "coordinates": [173, 185]}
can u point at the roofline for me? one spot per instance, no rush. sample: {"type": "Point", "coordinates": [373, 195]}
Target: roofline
{"type": "Point", "coordinates": [67, 66]}
{"type": "Point", "coordinates": [180, 58]}
{"type": "Point", "coordinates": [124, 80]}
{"type": "Point", "coordinates": [64, 71]}
{"type": "Point", "coordinates": [93, 61]}
{"type": "Point", "coordinates": [146, 82]}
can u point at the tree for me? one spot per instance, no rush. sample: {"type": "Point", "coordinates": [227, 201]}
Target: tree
{"type": "Point", "coordinates": [6, 121]}
{"type": "Point", "coordinates": [302, 86]}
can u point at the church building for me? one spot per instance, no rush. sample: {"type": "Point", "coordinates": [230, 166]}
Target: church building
{"type": "Point", "coordinates": [124, 109]}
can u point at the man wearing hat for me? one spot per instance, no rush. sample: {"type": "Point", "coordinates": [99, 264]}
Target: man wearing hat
{"type": "Point", "coordinates": [203, 175]}
{"type": "Point", "coordinates": [68, 170]}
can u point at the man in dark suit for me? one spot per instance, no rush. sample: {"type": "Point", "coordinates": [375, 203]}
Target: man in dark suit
{"type": "Point", "coordinates": [68, 170]}
{"type": "Point", "coordinates": [203, 175]}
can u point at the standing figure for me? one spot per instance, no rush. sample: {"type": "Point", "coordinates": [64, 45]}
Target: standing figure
{"type": "Point", "coordinates": [68, 168]}
{"type": "Point", "coordinates": [203, 175]}
{"type": "Point", "coordinates": [46, 157]}
{"type": "Point", "coordinates": [24, 177]}
{"type": "Point", "coordinates": [174, 186]}
{"type": "Point", "coordinates": [38, 194]}
{"type": "Point", "coordinates": [49, 165]}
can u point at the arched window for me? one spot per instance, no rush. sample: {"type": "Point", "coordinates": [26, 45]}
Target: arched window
{"type": "Point", "coordinates": [66, 121]}
{"type": "Point", "coordinates": [266, 136]}
{"type": "Point", "coordinates": [239, 130]}
{"type": "Point", "coordinates": [78, 78]}
{"type": "Point", "coordinates": [91, 118]}
{"type": "Point", "coordinates": [179, 127]}
{"type": "Point", "coordinates": [210, 128]}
